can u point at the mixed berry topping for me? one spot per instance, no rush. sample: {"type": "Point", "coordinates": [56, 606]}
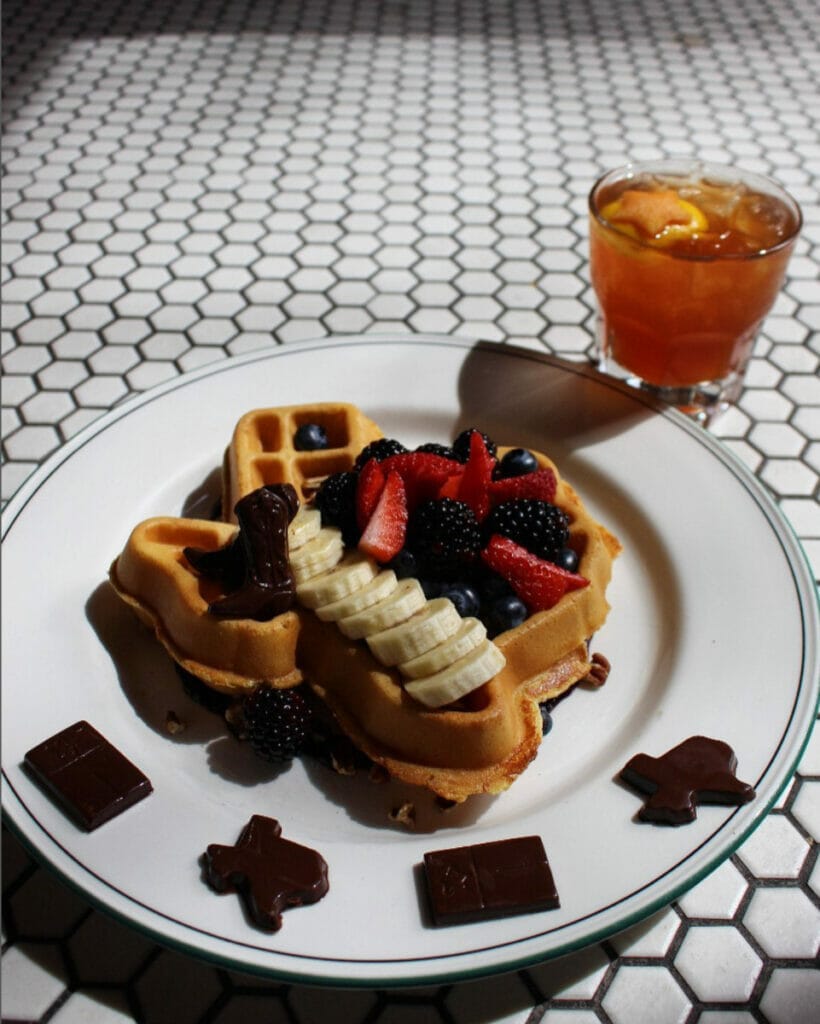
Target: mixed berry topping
{"type": "Point", "coordinates": [483, 531]}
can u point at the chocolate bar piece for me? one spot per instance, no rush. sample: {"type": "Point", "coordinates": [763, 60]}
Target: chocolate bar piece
{"type": "Point", "coordinates": [474, 883]}
{"type": "Point", "coordinates": [89, 777]}
{"type": "Point", "coordinates": [270, 873]}
{"type": "Point", "coordinates": [700, 770]}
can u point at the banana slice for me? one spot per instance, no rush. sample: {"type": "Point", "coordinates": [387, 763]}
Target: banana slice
{"type": "Point", "coordinates": [470, 633]}
{"type": "Point", "coordinates": [318, 555]}
{"type": "Point", "coordinates": [352, 573]}
{"type": "Point", "coordinates": [460, 678]}
{"type": "Point", "coordinates": [303, 527]}
{"type": "Point", "coordinates": [437, 621]}
{"type": "Point", "coordinates": [406, 600]}
{"type": "Point", "coordinates": [378, 589]}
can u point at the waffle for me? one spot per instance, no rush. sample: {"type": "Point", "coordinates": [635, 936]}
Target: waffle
{"type": "Point", "coordinates": [155, 580]}
{"type": "Point", "coordinates": [478, 745]}
{"type": "Point", "coordinates": [484, 744]}
{"type": "Point", "coordinates": [153, 577]}
{"type": "Point", "coordinates": [262, 449]}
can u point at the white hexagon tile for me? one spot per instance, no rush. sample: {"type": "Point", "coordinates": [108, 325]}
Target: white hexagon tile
{"type": "Point", "coordinates": [183, 182]}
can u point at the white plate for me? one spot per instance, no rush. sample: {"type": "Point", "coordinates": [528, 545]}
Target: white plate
{"type": "Point", "coordinates": [714, 630]}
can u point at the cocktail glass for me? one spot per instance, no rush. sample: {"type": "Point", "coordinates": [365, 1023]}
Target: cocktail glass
{"type": "Point", "coordinates": [686, 260]}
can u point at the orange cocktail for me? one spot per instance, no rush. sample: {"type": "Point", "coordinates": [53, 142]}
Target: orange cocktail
{"type": "Point", "coordinates": [686, 261]}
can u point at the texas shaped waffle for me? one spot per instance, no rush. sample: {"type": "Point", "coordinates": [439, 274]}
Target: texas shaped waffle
{"type": "Point", "coordinates": [479, 744]}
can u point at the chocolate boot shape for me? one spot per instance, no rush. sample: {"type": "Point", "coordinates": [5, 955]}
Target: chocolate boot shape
{"type": "Point", "coordinates": [268, 587]}
{"type": "Point", "coordinates": [224, 565]}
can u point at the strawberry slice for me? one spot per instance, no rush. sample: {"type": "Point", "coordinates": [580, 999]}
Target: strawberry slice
{"type": "Point", "coordinates": [540, 485]}
{"type": "Point", "coordinates": [370, 486]}
{"type": "Point", "coordinates": [449, 489]}
{"type": "Point", "coordinates": [384, 534]}
{"type": "Point", "coordinates": [474, 486]}
{"type": "Point", "coordinates": [423, 473]}
{"type": "Point", "coordinates": [539, 584]}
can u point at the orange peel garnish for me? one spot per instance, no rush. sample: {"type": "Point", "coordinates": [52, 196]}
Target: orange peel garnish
{"type": "Point", "coordinates": [658, 217]}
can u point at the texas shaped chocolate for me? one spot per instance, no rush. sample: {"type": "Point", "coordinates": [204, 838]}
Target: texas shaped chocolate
{"type": "Point", "coordinates": [700, 770]}
{"type": "Point", "coordinates": [269, 873]}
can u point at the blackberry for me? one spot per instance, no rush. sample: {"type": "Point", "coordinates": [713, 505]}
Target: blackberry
{"type": "Point", "coordinates": [444, 535]}
{"type": "Point", "coordinates": [432, 448]}
{"type": "Point", "coordinates": [336, 500]}
{"type": "Point", "coordinates": [538, 526]}
{"type": "Point", "coordinates": [461, 445]}
{"type": "Point", "coordinates": [379, 450]}
{"type": "Point", "coordinates": [277, 723]}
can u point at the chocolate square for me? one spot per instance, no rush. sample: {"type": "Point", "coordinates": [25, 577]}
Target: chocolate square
{"type": "Point", "coordinates": [92, 780]}
{"type": "Point", "coordinates": [473, 883]}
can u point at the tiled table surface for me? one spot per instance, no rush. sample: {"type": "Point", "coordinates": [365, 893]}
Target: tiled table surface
{"type": "Point", "coordinates": [193, 181]}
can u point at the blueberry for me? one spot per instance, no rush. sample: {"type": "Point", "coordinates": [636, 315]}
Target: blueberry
{"type": "Point", "coordinates": [567, 559]}
{"type": "Point", "coordinates": [505, 613]}
{"type": "Point", "coordinates": [493, 587]}
{"type": "Point", "coordinates": [310, 437]}
{"type": "Point", "coordinates": [404, 564]}
{"type": "Point", "coordinates": [546, 719]}
{"type": "Point", "coordinates": [432, 588]}
{"type": "Point", "coordinates": [517, 462]}
{"type": "Point", "coordinates": [464, 597]}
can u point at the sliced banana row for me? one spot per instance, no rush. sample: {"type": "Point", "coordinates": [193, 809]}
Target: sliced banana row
{"type": "Point", "coordinates": [304, 526]}
{"type": "Point", "coordinates": [460, 678]}
{"type": "Point", "coordinates": [318, 555]}
{"type": "Point", "coordinates": [468, 634]}
{"type": "Point", "coordinates": [434, 623]}
{"type": "Point", "coordinates": [442, 655]}
{"type": "Point", "coordinates": [379, 588]}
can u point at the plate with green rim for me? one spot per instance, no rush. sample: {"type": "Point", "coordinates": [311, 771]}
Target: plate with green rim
{"type": "Point", "coordinates": [713, 630]}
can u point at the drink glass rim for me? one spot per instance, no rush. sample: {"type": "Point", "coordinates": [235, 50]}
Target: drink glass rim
{"type": "Point", "coordinates": [682, 166]}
